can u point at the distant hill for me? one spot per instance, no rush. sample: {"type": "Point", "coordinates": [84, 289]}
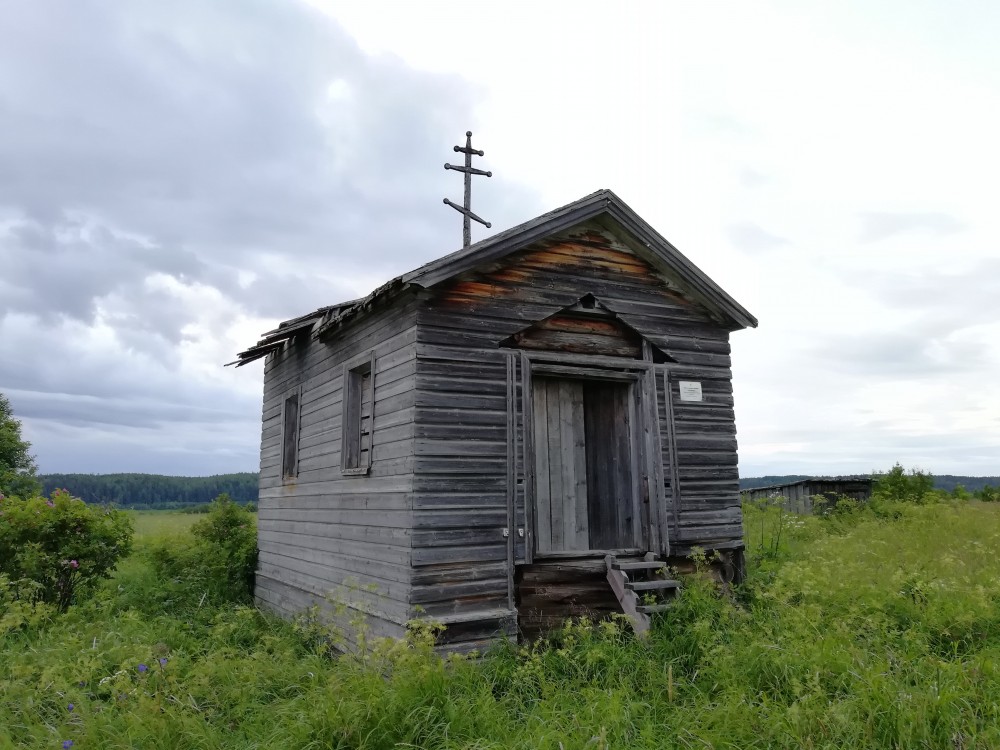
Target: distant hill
{"type": "Point", "coordinates": [942, 482]}
{"type": "Point", "coordinates": [153, 491]}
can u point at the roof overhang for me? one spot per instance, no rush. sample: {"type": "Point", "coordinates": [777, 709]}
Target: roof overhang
{"type": "Point", "coordinates": [603, 206]}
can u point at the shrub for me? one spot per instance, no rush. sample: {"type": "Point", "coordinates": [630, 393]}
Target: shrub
{"type": "Point", "coordinates": [57, 549]}
{"type": "Point", "coordinates": [219, 559]}
{"type": "Point", "coordinates": [896, 485]}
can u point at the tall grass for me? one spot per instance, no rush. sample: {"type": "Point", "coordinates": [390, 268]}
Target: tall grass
{"type": "Point", "coordinates": [875, 628]}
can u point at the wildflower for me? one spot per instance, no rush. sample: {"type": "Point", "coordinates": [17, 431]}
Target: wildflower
{"type": "Point", "coordinates": [142, 668]}
{"type": "Point", "coordinates": [74, 564]}
{"type": "Point", "coordinates": [163, 661]}
{"type": "Point", "coordinates": [67, 744]}
{"type": "Point", "coordinates": [70, 707]}
{"type": "Point", "coordinates": [50, 503]}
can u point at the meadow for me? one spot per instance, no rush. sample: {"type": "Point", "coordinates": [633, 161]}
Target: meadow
{"type": "Point", "coordinates": [869, 627]}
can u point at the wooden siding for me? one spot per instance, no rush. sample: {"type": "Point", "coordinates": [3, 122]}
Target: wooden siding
{"type": "Point", "coordinates": [326, 534]}
{"type": "Point", "coordinates": [580, 334]}
{"type": "Point", "coordinates": [462, 481]}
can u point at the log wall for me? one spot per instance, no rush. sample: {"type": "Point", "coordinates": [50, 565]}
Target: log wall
{"type": "Point", "coordinates": [462, 486]}
{"type": "Point", "coordinates": [326, 533]}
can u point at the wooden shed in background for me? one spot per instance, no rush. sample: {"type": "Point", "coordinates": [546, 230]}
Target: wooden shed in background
{"type": "Point", "coordinates": [800, 496]}
{"type": "Point", "coordinates": [523, 430]}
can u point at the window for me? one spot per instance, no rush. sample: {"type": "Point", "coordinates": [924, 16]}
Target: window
{"type": "Point", "coordinates": [290, 437]}
{"type": "Point", "coordinates": [359, 396]}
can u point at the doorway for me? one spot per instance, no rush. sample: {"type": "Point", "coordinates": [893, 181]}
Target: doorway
{"type": "Point", "coordinates": [585, 496]}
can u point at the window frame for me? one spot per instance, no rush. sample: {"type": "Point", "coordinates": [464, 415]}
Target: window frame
{"type": "Point", "coordinates": [352, 409]}
{"type": "Point", "coordinates": [290, 473]}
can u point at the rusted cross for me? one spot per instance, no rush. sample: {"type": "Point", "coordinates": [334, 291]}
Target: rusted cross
{"type": "Point", "coordinates": [466, 210]}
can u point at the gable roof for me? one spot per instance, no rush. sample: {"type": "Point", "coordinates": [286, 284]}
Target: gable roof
{"type": "Point", "coordinates": [651, 246]}
{"type": "Point", "coordinates": [660, 253]}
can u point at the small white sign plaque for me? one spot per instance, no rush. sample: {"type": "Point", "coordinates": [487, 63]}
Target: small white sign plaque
{"type": "Point", "coordinates": [690, 390]}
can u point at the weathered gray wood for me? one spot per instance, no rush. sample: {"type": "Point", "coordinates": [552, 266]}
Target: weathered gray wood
{"type": "Point", "coordinates": [527, 452]}
{"type": "Point", "coordinates": [655, 493]}
{"type": "Point", "coordinates": [543, 471]}
{"type": "Point", "coordinates": [626, 598]}
{"type": "Point", "coordinates": [290, 436]}
{"type": "Point", "coordinates": [556, 466]}
{"type": "Point", "coordinates": [511, 446]}
{"type": "Point", "coordinates": [455, 460]}
{"type": "Point", "coordinates": [655, 585]}
{"type": "Point", "coordinates": [611, 500]}
{"type": "Point", "coordinates": [579, 527]}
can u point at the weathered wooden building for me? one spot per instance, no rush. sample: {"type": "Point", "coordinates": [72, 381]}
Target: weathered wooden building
{"type": "Point", "coordinates": [800, 496]}
{"type": "Point", "coordinates": [511, 434]}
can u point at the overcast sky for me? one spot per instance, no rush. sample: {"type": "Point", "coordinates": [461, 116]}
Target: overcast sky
{"type": "Point", "coordinates": [177, 177]}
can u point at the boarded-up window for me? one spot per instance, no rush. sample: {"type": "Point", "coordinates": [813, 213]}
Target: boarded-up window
{"type": "Point", "coordinates": [290, 437]}
{"type": "Point", "coordinates": [359, 397]}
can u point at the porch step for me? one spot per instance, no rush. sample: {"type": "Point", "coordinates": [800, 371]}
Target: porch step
{"type": "Point", "coordinates": [639, 565]}
{"type": "Point", "coordinates": [654, 585]}
{"type": "Point", "coordinates": [627, 591]}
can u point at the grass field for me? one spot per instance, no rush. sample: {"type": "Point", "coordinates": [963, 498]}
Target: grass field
{"type": "Point", "coordinates": [158, 523]}
{"type": "Point", "coordinates": [866, 629]}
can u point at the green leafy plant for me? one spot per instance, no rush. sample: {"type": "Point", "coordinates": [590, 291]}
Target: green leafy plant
{"type": "Point", "coordinates": [17, 466]}
{"type": "Point", "coordinates": [60, 545]}
{"type": "Point", "coordinates": [218, 559]}
{"type": "Point", "coordinates": [901, 486]}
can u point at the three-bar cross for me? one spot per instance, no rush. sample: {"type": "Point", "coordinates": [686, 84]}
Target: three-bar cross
{"type": "Point", "coordinates": [466, 210]}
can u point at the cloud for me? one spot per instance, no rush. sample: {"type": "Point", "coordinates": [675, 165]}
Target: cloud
{"type": "Point", "coordinates": [749, 236]}
{"type": "Point", "coordinates": [876, 226]}
{"type": "Point", "coordinates": [751, 178]}
{"type": "Point", "coordinates": [904, 353]}
{"type": "Point", "coordinates": [176, 178]}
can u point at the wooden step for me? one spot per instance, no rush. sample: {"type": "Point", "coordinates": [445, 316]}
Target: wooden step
{"type": "Point", "coordinates": [658, 585]}
{"type": "Point", "coordinates": [639, 565]}
{"type": "Point", "coordinates": [649, 609]}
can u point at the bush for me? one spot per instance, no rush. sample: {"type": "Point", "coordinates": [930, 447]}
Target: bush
{"type": "Point", "coordinates": [896, 485]}
{"type": "Point", "coordinates": [57, 549]}
{"type": "Point", "coordinates": [220, 557]}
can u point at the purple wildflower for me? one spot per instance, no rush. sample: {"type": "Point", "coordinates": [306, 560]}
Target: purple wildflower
{"type": "Point", "coordinates": [163, 661]}
{"type": "Point", "coordinates": [50, 503]}
{"type": "Point", "coordinates": [74, 564]}
{"type": "Point", "coordinates": [142, 667]}
{"type": "Point", "coordinates": [70, 707]}
{"type": "Point", "coordinates": [67, 744]}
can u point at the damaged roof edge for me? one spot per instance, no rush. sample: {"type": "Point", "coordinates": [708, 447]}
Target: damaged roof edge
{"type": "Point", "coordinates": [604, 201]}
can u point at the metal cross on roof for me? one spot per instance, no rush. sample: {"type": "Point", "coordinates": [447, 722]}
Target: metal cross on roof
{"type": "Point", "coordinates": [466, 210]}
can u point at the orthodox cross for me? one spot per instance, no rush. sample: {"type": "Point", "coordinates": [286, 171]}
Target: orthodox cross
{"type": "Point", "coordinates": [466, 210]}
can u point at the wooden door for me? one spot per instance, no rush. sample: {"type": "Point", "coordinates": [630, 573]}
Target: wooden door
{"type": "Point", "coordinates": [584, 494]}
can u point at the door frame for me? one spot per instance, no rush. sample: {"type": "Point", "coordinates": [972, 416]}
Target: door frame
{"type": "Point", "coordinates": [644, 438]}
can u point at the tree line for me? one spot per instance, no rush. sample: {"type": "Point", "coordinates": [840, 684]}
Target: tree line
{"type": "Point", "coordinates": [153, 491]}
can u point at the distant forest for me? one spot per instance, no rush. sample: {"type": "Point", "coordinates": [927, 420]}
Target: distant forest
{"type": "Point", "coordinates": [153, 491]}
{"type": "Point", "coordinates": [947, 482]}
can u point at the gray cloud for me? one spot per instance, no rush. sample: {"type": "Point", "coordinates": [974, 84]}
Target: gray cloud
{"type": "Point", "coordinates": [944, 303]}
{"type": "Point", "coordinates": [167, 169]}
{"type": "Point", "coordinates": [751, 237]}
{"type": "Point", "coordinates": [903, 353]}
{"type": "Point", "coordinates": [751, 178]}
{"type": "Point", "coordinates": [877, 226]}
{"type": "Point", "coordinates": [876, 447]}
